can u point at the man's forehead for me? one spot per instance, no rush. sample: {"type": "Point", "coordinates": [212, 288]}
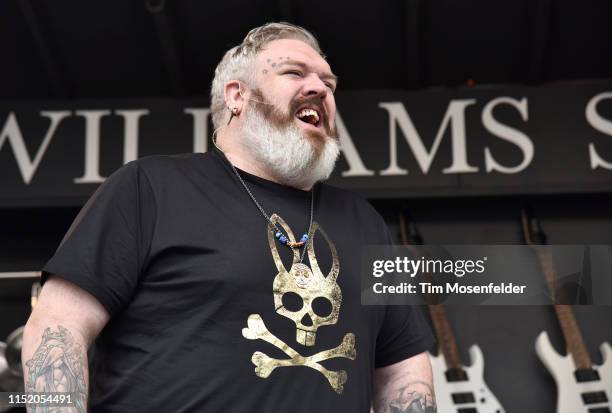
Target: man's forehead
{"type": "Point", "coordinates": [291, 51]}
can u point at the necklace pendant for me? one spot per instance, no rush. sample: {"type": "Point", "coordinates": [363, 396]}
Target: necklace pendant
{"type": "Point", "coordinates": [303, 274]}
{"type": "Point", "coordinates": [295, 245]}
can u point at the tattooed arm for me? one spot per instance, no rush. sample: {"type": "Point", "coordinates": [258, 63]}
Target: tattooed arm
{"type": "Point", "coordinates": [63, 324]}
{"type": "Point", "coordinates": [405, 387]}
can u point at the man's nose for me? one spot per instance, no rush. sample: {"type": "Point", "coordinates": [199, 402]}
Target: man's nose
{"type": "Point", "coordinates": [315, 87]}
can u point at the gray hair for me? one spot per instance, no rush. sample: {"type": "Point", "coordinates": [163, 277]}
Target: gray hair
{"type": "Point", "coordinates": [237, 63]}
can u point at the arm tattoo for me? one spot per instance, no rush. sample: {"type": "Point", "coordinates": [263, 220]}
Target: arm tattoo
{"type": "Point", "coordinates": [59, 365]}
{"type": "Point", "coordinates": [412, 397]}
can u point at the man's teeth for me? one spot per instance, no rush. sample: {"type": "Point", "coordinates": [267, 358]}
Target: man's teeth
{"type": "Point", "coordinates": [306, 113]}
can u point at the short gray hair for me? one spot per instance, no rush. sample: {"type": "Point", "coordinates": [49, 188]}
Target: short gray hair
{"type": "Point", "coordinates": [237, 63]}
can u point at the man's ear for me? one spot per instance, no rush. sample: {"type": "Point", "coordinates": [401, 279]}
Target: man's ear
{"type": "Point", "coordinates": [233, 96]}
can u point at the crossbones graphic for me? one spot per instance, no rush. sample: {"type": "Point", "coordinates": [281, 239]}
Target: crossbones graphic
{"type": "Point", "coordinates": [264, 365]}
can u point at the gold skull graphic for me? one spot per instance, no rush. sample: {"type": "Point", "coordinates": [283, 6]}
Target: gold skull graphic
{"type": "Point", "coordinates": [315, 298]}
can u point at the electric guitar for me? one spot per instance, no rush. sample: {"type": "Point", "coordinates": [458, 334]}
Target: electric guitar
{"type": "Point", "coordinates": [458, 388]}
{"type": "Point", "coordinates": [582, 387]}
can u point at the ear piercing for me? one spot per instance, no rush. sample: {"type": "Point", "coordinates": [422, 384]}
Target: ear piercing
{"type": "Point", "coordinates": [233, 112]}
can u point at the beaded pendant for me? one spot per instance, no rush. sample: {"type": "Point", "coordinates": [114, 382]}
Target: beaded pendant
{"type": "Point", "coordinates": [285, 241]}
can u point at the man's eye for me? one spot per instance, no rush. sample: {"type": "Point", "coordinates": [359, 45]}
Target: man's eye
{"type": "Point", "coordinates": [294, 72]}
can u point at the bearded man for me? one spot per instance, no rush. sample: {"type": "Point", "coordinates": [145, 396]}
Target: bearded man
{"type": "Point", "coordinates": [190, 273]}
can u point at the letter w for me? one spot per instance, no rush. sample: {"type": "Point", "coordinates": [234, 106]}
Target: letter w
{"type": "Point", "coordinates": [12, 134]}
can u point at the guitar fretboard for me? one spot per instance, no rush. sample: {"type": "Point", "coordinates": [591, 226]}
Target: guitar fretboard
{"type": "Point", "coordinates": [446, 338]}
{"type": "Point", "coordinates": [569, 327]}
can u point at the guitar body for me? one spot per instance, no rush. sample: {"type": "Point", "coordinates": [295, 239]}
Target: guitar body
{"type": "Point", "coordinates": [482, 399]}
{"type": "Point", "coordinates": [570, 392]}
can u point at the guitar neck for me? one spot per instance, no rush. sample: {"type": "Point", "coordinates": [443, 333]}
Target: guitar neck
{"type": "Point", "coordinates": [546, 262]}
{"type": "Point", "coordinates": [446, 339]}
{"type": "Point", "coordinates": [573, 337]}
{"type": "Point", "coordinates": [569, 327]}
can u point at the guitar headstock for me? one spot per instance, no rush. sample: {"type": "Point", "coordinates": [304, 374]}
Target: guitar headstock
{"type": "Point", "coordinates": [409, 232]}
{"type": "Point", "coordinates": [533, 234]}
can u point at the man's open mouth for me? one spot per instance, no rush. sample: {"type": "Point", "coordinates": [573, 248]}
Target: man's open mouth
{"type": "Point", "coordinates": [310, 116]}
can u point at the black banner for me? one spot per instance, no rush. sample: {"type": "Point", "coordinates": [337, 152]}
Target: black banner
{"type": "Point", "coordinates": [473, 141]}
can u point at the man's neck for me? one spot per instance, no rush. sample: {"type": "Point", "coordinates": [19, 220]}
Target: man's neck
{"type": "Point", "coordinates": [241, 159]}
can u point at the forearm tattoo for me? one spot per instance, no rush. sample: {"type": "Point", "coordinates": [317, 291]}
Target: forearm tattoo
{"type": "Point", "coordinates": [58, 365]}
{"type": "Point", "coordinates": [412, 397]}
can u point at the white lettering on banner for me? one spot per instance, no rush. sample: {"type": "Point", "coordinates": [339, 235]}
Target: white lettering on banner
{"type": "Point", "coordinates": [92, 140]}
{"type": "Point", "coordinates": [12, 134]}
{"type": "Point", "coordinates": [455, 116]}
{"type": "Point", "coordinates": [356, 166]}
{"type": "Point", "coordinates": [600, 123]}
{"type": "Point", "coordinates": [92, 146]}
{"type": "Point", "coordinates": [29, 153]}
{"type": "Point", "coordinates": [131, 118]}
{"type": "Point", "coordinates": [507, 133]}
{"type": "Point", "coordinates": [200, 128]}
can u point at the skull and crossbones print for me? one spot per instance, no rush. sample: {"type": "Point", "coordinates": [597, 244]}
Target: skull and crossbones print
{"type": "Point", "coordinates": [309, 284]}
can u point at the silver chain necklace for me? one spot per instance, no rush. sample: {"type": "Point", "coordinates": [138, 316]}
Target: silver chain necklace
{"type": "Point", "coordinates": [263, 212]}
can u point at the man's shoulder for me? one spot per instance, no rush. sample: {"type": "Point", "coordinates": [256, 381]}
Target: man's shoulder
{"type": "Point", "coordinates": [162, 170]}
{"type": "Point", "coordinates": [167, 166]}
{"type": "Point", "coordinates": [154, 162]}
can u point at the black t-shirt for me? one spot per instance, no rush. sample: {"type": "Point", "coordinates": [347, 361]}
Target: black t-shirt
{"type": "Point", "coordinates": [177, 252]}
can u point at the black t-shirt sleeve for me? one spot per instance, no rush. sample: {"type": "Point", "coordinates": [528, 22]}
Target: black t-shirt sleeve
{"type": "Point", "coordinates": [104, 250]}
{"type": "Point", "coordinates": [404, 332]}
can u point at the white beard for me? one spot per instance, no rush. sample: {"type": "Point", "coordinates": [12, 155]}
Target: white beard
{"type": "Point", "coordinates": [287, 154]}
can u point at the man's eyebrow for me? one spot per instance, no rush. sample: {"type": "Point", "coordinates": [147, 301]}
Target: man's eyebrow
{"type": "Point", "coordinates": [330, 76]}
